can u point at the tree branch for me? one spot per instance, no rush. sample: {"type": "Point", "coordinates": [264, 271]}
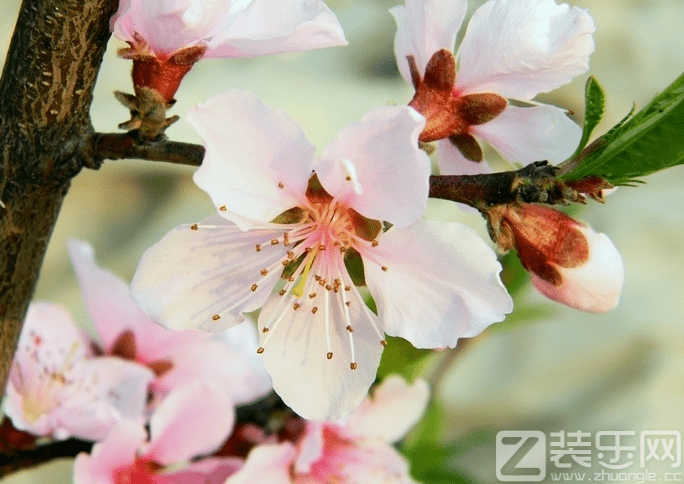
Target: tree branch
{"type": "Point", "coordinates": [535, 183]}
{"type": "Point", "coordinates": [45, 95]}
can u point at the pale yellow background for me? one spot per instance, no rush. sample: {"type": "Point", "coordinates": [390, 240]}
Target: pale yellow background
{"type": "Point", "coordinates": [618, 371]}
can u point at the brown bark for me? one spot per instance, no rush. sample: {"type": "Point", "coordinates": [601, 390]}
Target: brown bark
{"type": "Point", "coordinates": [45, 95]}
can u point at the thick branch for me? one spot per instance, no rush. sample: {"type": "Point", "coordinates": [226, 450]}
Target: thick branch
{"type": "Point", "coordinates": [118, 146]}
{"type": "Point", "coordinates": [45, 95]}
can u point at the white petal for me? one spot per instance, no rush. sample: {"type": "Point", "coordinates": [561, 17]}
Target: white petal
{"type": "Point", "coordinates": [192, 420]}
{"type": "Point", "coordinates": [190, 276]}
{"type": "Point", "coordinates": [310, 446]}
{"type": "Point", "coordinates": [594, 286]}
{"type": "Point", "coordinates": [396, 406]}
{"type": "Point", "coordinates": [315, 387]}
{"type": "Point", "coordinates": [169, 25]}
{"type": "Point", "coordinates": [275, 26]}
{"type": "Point", "coordinates": [452, 162]}
{"type": "Point", "coordinates": [441, 283]}
{"type": "Point", "coordinates": [531, 134]}
{"type": "Point", "coordinates": [251, 149]}
{"type": "Point", "coordinates": [519, 48]}
{"type": "Point", "coordinates": [423, 28]}
{"type": "Point", "coordinates": [392, 173]}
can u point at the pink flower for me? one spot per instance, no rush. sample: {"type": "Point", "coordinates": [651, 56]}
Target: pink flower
{"type": "Point", "coordinates": [176, 357]}
{"type": "Point", "coordinates": [191, 421]}
{"type": "Point", "coordinates": [280, 227]}
{"type": "Point", "coordinates": [358, 449]}
{"type": "Point", "coordinates": [168, 36]}
{"type": "Point", "coordinates": [57, 389]}
{"type": "Point", "coordinates": [512, 49]}
{"type": "Point", "coordinates": [568, 262]}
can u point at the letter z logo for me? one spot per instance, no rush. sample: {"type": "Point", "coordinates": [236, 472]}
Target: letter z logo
{"type": "Point", "coordinates": [520, 456]}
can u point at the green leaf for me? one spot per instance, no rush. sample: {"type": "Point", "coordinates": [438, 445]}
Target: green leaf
{"type": "Point", "coordinates": [649, 141]}
{"type": "Point", "coordinates": [594, 109]}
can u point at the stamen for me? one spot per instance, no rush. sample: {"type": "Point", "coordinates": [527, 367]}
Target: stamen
{"type": "Point", "coordinates": [280, 185]}
{"type": "Point", "coordinates": [223, 208]}
{"type": "Point", "coordinates": [314, 309]}
{"type": "Point", "coordinates": [265, 330]}
{"type": "Point", "coordinates": [263, 272]}
{"type": "Point", "coordinates": [260, 349]}
{"type": "Point", "coordinates": [384, 268]}
{"type": "Point", "coordinates": [383, 343]}
{"type": "Point", "coordinates": [193, 227]}
{"type": "Point", "coordinates": [329, 355]}
{"type": "Point", "coordinates": [216, 317]}
{"type": "Point", "coordinates": [282, 292]}
{"type": "Point", "coordinates": [274, 241]}
{"type": "Point", "coordinates": [312, 295]}
{"type": "Point", "coordinates": [258, 247]}
{"type": "Point", "coordinates": [254, 287]}
{"type": "Point", "coordinates": [353, 366]}
{"type": "Point", "coordinates": [375, 243]}
{"type": "Point", "coordinates": [295, 306]}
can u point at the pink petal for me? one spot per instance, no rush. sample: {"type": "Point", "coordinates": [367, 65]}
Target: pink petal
{"type": "Point", "coordinates": [112, 308]}
{"type": "Point", "coordinates": [213, 470]}
{"type": "Point", "coordinates": [169, 25]}
{"type": "Point", "coordinates": [389, 179]}
{"type": "Point", "coordinates": [212, 272]}
{"type": "Point", "coordinates": [594, 286]}
{"type": "Point", "coordinates": [257, 161]}
{"type": "Point", "coordinates": [531, 134]}
{"type": "Point", "coordinates": [296, 350]}
{"type": "Point", "coordinates": [268, 463]}
{"type": "Point", "coordinates": [99, 393]}
{"type": "Point", "coordinates": [441, 283]}
{"type": "Point", "coordinates": [192, 420]}
{"type": "Point", "coordinates": [118, 451]}
{"type": "Point", "coordinates": [423, 28]}
{"type": "Point", "coordinates": [396, 406]}
{"type": "Point", "coordinates": [519, 48]}
{"type": "Point", "coordinates": [275, 26]}
{"type": "Point", "coordinates": [452, 162]}
{"type": "Point", "coordinates": [229, 357]}
{"type": "Point", "coordinates": [310, 446]}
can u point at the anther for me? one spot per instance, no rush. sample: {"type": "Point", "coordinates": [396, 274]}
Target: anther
{"type": "Point", "coordinates": [384, 268]}
{"type": "Point", "coordinates": [328, 287]}
{"type": "Point", "coordinates": [216, 317]}
{"type": "Point", "coordinates": [375, 243]}
{"type": "Point", "coordinates": [343, 249]}
{"type": "Point", "coordinates": [290, 254]}
{"type": "Point", "coordinates": [329, 355]}
{"type": "Point", "coordinates": [312, 295]}
{"type": "Point", "coordinates": [285, 263]}
{"type": "Point", "coordinates": [286, 238]}
{"type": "Point", "coordinates": [383, 343]}
{"type": "Point", "coordinates": [280, 185]}
{"type": "Point", "coordinates": [314, 309]}
{"type": "Point", "coordinates": [350, 329]}
{"type": "Point", "coordinates": [263, 272]}
{"type": "Point", "coordinates": [282, 292]}
{"type": "Point", "coordinates": [347, 288]}
{"type": "Point", "coordinates": [274, 242]}
{"type": "Point", "coordinates": [308, 249]}
{"type": "Point", "coordinates": [223, 208]}
{"type": "Point", "coordinates": [318, 278]}
{"type": "Point", "coordinates": [348, 303]}
{"type": "Point", "coordinates": [258, 247]}
{"type": "Point", "coordinates": [265, 330]}
{"type": "Point", "coordinates": [295, 306]}
{"type": "Point", "coordinates": [193, 227]}
{"type": "Point", "coordinates": [348, 178]}
{"type": "Point", "coordinates": [260, 349]}
{"type": "Point", "coordinates": [254, 287]}
{"type": "Point", "coordinates": [321, 247]}
{"type": "Point", "coordinates": [353, 366]}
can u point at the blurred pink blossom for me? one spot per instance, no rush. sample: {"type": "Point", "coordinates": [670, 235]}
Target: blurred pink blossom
{"type": "Point", "coordinates": [355, 450]}
{"type": "Point", "coordinates": [56, 388]}
{"type": "Point", "coordinates": [192, 421]}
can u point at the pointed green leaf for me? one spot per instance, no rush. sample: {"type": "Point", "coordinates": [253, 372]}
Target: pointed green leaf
{"type": "Point", "coordinates": [649, 141]}
{"type": "Point", "coordinates": [594, 109]}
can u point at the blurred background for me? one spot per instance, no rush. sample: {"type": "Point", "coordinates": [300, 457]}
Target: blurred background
{"type": "Point", "coordinates": [548, 368]}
